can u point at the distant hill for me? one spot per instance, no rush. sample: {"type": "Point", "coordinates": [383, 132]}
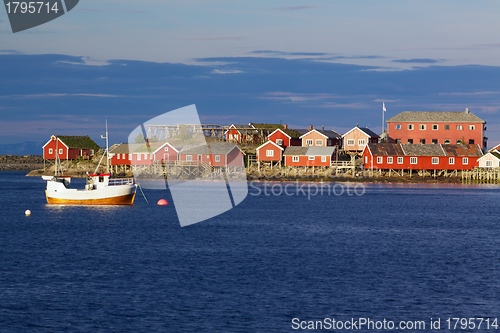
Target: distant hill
{"type": "Point", "coordinates": [24, 148]}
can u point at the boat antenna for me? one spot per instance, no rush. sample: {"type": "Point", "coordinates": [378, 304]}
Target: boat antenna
{"type": "Point", "coordinates": [107, 147]}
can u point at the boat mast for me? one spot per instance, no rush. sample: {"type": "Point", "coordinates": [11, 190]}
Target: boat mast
{"type": "Point", "coordinates": [107, 147]}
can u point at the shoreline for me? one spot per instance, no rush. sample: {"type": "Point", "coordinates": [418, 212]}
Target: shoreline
{"type": "Point", "coordinates": [316, 179]}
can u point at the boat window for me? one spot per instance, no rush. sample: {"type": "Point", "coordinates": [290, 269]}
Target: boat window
{"type": "Point", "coordinates": [101, 179]}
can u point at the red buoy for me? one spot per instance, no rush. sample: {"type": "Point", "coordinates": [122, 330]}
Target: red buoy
{"type": "Point", "coordinates": [162, 202]}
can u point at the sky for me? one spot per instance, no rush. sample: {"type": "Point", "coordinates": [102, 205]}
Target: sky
{"type": "Point", "coordinates": [303, 63]}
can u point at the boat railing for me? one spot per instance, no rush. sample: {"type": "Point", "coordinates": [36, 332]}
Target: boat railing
{"type": "Point", "coordinates": [121, 181]}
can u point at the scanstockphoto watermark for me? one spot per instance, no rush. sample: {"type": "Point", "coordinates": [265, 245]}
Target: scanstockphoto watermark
{"type": "Point", "coordinates": [307, 190]}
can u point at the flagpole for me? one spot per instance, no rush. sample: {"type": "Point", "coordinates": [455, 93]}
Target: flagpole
{"type": "Point", "coordinates": [383, 123]}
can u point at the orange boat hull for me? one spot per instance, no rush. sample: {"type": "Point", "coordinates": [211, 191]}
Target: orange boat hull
{"type": "Point", "coordinates": [120, 200]}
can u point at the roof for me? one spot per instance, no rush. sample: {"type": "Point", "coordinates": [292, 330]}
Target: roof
{"type": "Point", "coordinates": [385, 149]}
{"type": "Point", "coordinates": [295, 150]}
{"type": "Point", "coordinates": [219, 148]}
{"type": "Point", "coordinates": [330, 134]}
{"type": "Point", "coordinates": [423, 150]}
{"type": "Point", "coordinates": [124, 148]}
{"type": "Point", "coordinates": [365, 130]}
{"type": "Point", "coordinates": [436, 116]}
{"type": "Point", "coordinates": [267, 143]}
{"type": "Point", "coordinates": [280, 130]}
{"type": "Point", "coordinates": [309, 151]}
{"type": "Point", "coordinates": [491, 153]}
{"type": "Point", "coordinates": [75, 141]}
{"type": "Point", "coordinates": [398, 149]}
{"type": "Point", "coordinates": [320, 151]}
{"type": "Point", "coordinates": [463, 150]}
{"type": "Point", "coordinates": [154, 146]}
{"type": "Point", "coordinates": [497, 147]}
{"type": "Point", "coordinates": [368, 131]}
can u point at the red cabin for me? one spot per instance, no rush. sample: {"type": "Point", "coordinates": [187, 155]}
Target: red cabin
{"type": "Point", "coordinates": [269, 152]}
{"type": "Point", "coordinates": [66, 147]}
{"type": "Point", "coordinates": [216, 154]}
{"type": "Point", "coordinates": [309, 156]}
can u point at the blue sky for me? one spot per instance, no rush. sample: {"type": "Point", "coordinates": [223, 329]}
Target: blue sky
{"type": "Point", "coordinates": [326, 63]}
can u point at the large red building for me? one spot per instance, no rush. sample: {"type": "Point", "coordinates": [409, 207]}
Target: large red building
{"type": "Point", "coordinates": [66, 147]}
{"type": "Point", "coordinates": [397, 156]}
{"type": "Point", "coordinates": [437, 128]}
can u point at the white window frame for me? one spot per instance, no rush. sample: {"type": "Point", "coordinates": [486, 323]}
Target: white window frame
{"type": "Point", "coordinates": [465, 160]}
{"type": "Point", "coordinates": [488, 163]}
{"type": "Point", "coordinates": [380, 159]}
{"type": "Point", "coordinates": [51, 151]}
{"type": "Point", "coordinates": [398, 126]}
{"type": "Point", "coordinates": [423, 127]}
{"type": "Point", "coordinates": [351, 142]}
{"type": "Point", "coordinates": [166, 149]}
{"type": "Point", "coordinates": [138, 157]}
{"type": "Point", "coordinates": [130, 157]}
{"type": "Point", "coordinates": [279, 142]}
{"type": "Point", "coordinates": [400, 159]}
{"type": "Point", "coordinates": [319, 142]}
{"type": "Point", "coordinates": [217, 158]}
{"type": "Point", "coordinates": [435, 127]}
{"type": "Point", "coordinates": [118, 157]}
{"type": "Point", "coordinates": [472, 127]}
{"type": "Point", "coordinates": [269, 153]}
{"type": "Point", "coordinates": [460, 127]}
{"type": "Point", "coordinates": [309, 142]}
{"type": "Point", "coordinates": [435, 160]}
{"type": "Point", "coordinates": [295, 158]}
{"type": "Point", "coordinates": [361, 142]}
{"type": "Point", "coordinates": [189, 158]}
{"type": "Point", "coordinates": [410, 127]}
{"type": "Point", "coordinates": [323, 158]}
{"type": "Point", "coordinates": [413, 160]}
{"type": "Point", "coordinates": [451, 160]}
{"type": "Point", "coordinates": [311, 158]}
{"type": "Point", "coordinates": [389, 159]}
{"type": "Point", "coordinates": [60, 151]}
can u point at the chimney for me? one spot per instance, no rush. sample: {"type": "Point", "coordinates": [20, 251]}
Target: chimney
{"type": "Point", "coordinates": [285, 126]}
{"type": "Point", "coordinates": [466, 110]}
{"type": "Point", "coordinates": [310, 127]}
{"type": "Point", "coordinates": [323, 128]}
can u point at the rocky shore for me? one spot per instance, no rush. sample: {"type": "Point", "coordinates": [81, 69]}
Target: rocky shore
{"type": "Point", "coordinates": [21, 163]}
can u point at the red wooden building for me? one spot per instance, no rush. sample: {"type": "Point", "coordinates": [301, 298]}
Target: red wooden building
{"type": "Point", "coordinates": [67, 147]}
{"type": "Point", "coordinates": [155, 152]}
{"type": "Point", "coordinates": [309, 156]}
{"type": "Point", "coordinates": [437, 128]}
{"type": "Point", "coordinates": [269, 152]}
{"type": "Point", "coordinates": [216, 154]}
{"type": "Point", "coordinates": [280, 138]}
{"type": "Point", "coordinates": [240, 133]}
{"type": "Point", "coordinates": [397, 156]}
{"type": "Point", "coordinates": [287, 137]}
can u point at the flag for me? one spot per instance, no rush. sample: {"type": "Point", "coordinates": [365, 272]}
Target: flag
{"type": "Point", "coordinates": [383, 107]}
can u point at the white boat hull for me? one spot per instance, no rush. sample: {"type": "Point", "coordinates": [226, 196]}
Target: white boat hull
{"type": "Point", "coordinates": [58, 193]}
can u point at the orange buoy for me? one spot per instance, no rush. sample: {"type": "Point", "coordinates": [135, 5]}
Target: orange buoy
{"type": "Point", "coordinates": [162, 202]}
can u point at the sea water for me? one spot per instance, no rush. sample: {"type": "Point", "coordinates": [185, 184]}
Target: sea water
{"type": "Point", "coordinates": [281, 261]}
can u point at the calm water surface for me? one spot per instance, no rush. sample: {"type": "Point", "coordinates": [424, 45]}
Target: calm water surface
{"type": "Point", "coordinates": [400, 252]}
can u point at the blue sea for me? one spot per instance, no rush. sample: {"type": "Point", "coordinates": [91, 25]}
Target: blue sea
{"type": "Point", "coordinates": [279, 262]}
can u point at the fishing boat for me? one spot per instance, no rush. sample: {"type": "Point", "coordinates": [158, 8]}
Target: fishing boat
{"type": "Point", "coordinates": [100, 188]}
